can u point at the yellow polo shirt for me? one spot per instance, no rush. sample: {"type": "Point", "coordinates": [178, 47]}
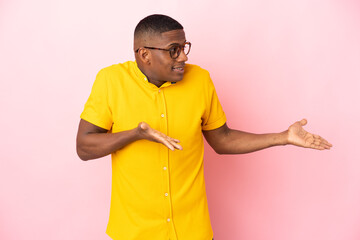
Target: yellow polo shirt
{"type": "Point", "coordinates": [157, 194]}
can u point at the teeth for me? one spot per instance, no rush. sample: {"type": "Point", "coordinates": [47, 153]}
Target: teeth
{"type": "Point", "coordinates": [178, 68]}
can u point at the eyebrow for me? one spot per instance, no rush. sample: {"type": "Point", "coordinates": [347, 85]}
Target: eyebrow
{"type": "Point", "coordinates": [174, 44]}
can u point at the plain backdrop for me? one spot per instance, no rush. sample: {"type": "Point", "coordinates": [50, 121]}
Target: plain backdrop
{"type": "Point", "coordinates": [273, 62]}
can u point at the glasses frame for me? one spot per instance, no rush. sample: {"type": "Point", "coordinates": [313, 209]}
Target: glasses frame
{"type": "Point", "coordinates": [169, 50]}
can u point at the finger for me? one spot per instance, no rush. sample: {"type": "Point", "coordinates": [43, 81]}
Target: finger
{"type": "Point", "coordinates": [317, 146]}
{"type": "Point", "coordinates": [169, 142]}
{"type": "Point", "coordinates": [317, 142]}
{"type": "Point", "coordinates": [174, 142]}
{"type": "Point", "coordinates": [177, 146]}
{"type": "Point", "coordinates": [169, 145]}
{"type": "Point", "coordinates": [162, 138]}
{"type": "Point", "coordinates": [320, 145]}
{"type": "Point", "coordinates": [325, 146]}
{"type": "Point", "coordinates": [324, 141]}
{"type": "Point", "coordinates": [327, 143]}
{"type": "Point", "coordinates": [172, 139]}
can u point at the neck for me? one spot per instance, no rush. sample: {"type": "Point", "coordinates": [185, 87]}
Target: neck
{"type": "Point", "coordinates": [157, 83]}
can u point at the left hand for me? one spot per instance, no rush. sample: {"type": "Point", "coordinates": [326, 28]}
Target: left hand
{"type": "Point", "coordinates": [299, 137]}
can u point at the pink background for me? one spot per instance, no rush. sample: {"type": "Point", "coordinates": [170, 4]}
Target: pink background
{"type": "Point", "coordinates": [272, 62]}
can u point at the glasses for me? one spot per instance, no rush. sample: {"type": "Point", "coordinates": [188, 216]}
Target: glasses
{"type": "Point", "coordinates": [174, 50]}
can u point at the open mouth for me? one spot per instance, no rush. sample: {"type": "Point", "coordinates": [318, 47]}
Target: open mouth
{"type": "Point", "coordinates": [178, 69]}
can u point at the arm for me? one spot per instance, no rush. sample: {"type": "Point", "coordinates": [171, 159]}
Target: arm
{"type": "Point", "coordinates": [95, 142]}
{"type": "Point", "coordinates": [228, 141]}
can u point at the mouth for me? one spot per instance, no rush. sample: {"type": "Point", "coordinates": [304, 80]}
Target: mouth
{"type": "Point", "coordinates": [179, 69]}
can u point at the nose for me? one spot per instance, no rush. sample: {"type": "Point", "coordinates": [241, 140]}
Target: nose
{"type": "Point", "coordinates": [182, 57]}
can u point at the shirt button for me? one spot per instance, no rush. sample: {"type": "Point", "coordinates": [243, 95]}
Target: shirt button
{"type": "Point", "coordinates": [168, 220]}
{"type": "Point", "coordinates": [164, 168]}
{"type": "Point", "coordinates": [162, 115]}
{"type": "Point", "coordinates": [159, 90]}
{"type": "Point", "coordinates": [166, 194]}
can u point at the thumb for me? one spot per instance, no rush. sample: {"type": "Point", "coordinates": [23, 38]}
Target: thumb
{"type": "Point", "coordinates": [303, 122]}
{"type": "Point", "coordinates": [143, 125]}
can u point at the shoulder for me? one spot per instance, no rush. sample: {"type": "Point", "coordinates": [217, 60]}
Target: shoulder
{"type": "Point", "coordinates": [119, 68]}
{"type": "Point", "coordinates": [195, 70]}
{"type": "Point", "coordinates": [116, 73]}
{"type": "Point", "coordinates": [196, 75]}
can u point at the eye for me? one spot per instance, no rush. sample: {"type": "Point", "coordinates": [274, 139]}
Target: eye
{"type": "Point", "coordinates": [173, 50]}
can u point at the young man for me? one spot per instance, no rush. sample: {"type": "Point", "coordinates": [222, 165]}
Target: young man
{"type": "Point", "coordinates": [139, 112]}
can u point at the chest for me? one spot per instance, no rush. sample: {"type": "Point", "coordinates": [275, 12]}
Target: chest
{"type": "Point", "coordinates": [172, 110]}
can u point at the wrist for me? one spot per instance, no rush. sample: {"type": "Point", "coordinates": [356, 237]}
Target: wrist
{"type": "Point", "coordinates": [283, 138]}
{"type": "Point", "coordinates": [140, 131]}
{"type": "Point", "coordinates": [137, 132]}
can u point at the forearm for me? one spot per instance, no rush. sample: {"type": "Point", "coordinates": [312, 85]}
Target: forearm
{"type": "Point", "coordinates": [237, 142]}
{"type": "Point", "coordinates": [96, 145]}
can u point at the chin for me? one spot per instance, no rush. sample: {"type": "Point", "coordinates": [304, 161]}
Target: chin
{"type": "Point", "coordinates": [177, 78]}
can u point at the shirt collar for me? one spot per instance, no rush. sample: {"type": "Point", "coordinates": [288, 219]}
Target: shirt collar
{"type": "Point", "coordinates": [144, 79]}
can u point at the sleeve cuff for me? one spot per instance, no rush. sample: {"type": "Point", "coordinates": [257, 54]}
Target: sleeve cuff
{"type": "Point", "coordinates": [220, 122]}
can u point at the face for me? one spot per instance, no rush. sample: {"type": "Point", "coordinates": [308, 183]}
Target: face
{"type": "Point", "coordinates": [162, 67]}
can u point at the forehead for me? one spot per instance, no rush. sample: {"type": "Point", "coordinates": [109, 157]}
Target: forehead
{"type": "Point", "coordinates": [171, 37]}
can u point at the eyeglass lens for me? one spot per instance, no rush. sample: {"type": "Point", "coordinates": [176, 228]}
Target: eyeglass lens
{"type": "Point", "coordinates": [176, 50]}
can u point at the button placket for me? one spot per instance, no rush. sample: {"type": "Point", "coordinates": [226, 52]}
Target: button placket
{"type": "Point", "coordinates": [165, 158]}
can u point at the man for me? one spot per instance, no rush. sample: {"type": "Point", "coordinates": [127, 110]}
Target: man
{"type": "Point", "coordinates": [139, 112]}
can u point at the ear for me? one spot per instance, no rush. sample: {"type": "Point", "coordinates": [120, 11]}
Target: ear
{"type": "Point", "coordinates": [144, 55]}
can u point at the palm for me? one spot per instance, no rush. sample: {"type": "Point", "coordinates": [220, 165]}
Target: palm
{"type": "Point", "coordinates": [157, 136]}
{"type": "Point", "coordinates": [299, 137]}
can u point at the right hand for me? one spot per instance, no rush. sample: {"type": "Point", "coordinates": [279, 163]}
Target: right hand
{"type": "Point", "coordinates": [146, 132]}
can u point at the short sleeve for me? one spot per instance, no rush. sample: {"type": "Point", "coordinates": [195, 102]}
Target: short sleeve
{"type": "Point", "coordinates": [214, 116]}
{"type": "Point", "coordinates": [97, 109]}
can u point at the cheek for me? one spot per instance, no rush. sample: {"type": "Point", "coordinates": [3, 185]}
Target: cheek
{"type": "Point", "coordinates": [164, 59]}
{"type": "Point", "coordinates": [166, 67]}
{"type": "Point", "coordinates": [163, 63]}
